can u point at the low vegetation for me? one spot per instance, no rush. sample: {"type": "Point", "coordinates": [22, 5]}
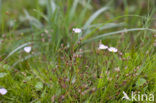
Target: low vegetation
{"type": "Point", "coordinates": [79, 51]}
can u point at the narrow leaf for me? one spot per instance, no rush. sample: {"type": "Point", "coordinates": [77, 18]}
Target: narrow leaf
{"type": "Point", "coordinates": [18, 48]}
{"type": "Point", "coordinates": [73, 9]}
{"type": "Point", "coordinates": [94, 16]}
{"type": "Point", "coordinates": [100, 37]}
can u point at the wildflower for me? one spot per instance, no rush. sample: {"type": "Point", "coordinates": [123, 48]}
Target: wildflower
{"type": "Point", "coordinates": [77, 30]}
{"type": "Point", "coordinates": [84, 93]}
{"type": "Point", "coordinates": [79, 90]}
{"type": "Point", "coordinates": [93, 89]}
{"type": "Point", "coordinates": [53, 98]}
{"type": "Point", "coordinates": [127, 75]}
{"type": "Point", "coordinates": [102, 47]}
{"type": "Point", "coordinates": [117, 69]}
{"type": "Point", "coordinates": [27, 49]}
{"type": "Point", "coordinates": [112, 49]}
{"type": "Point", "coordinates": [3, 91]}
{"type": "Point", "coordinates": [154, 44]}
{"type": "Point", "coordinates": [109, 79]}
{"type": "Point", "coordinates": [107, 72]}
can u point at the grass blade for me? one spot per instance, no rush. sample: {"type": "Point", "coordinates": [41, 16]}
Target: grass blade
{"type": "Point", "coordinates": [94, 16]}
{"type": "Point", "coordinates": [111, 25]}
{"type": "Point", "coordinates": [99, 37]}
{"type": "Point", "coordinates": [41, 14]}
{"type": "Point", "coordinates": [53, 6]}
{"type": "Point", "coordinates": [103, 25]}
{"type": "Point", "coordinates": [100, 27]}
{"type": "Point", "coordinates": [73, 9]}
{"type": "Point", "coordinates": [83, 12]}
{"type": "Point", "coordinates": [26, 58]}
{"type": "Point", "coordinates": [18, 48]}
{"type": "Point", "coordinates": [32, 20]}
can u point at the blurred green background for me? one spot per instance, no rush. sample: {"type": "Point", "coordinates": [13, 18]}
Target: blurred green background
{"type": "Point", "coordinates": [13, 10]}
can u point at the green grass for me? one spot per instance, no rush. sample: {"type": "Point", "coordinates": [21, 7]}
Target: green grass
{"type": "Point", "coordinates": [67, 67]}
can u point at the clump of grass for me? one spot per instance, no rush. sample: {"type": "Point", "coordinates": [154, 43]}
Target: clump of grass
{"type": "Point", "coordinates": [68, 65]}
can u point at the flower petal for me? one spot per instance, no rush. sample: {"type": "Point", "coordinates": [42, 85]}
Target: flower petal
{"type": "Point", "coordinates": [102, 47]}
{"type": "Point", "coordinates": [112, 49]}
{"type": "Point", "coordinates": [77, 30]}
{"type": "Point", "coordinates": [27, 49]}
{"type": "Point", "coordinates": [3, 91]}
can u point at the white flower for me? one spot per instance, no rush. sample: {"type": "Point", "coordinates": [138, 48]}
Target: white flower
{"type": "Point", "coordinates": [77, 30]}
{"type": "Point", "coordinates": [27, 49]}
{"type": "Point", "coordinates": [117, 69]}
{"type": "Point", "coordinates": [3, 91]}
{"type": "Point", "coordinates": [112, 49]}
{"type": "Point", "coordinates": [102, 47]}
